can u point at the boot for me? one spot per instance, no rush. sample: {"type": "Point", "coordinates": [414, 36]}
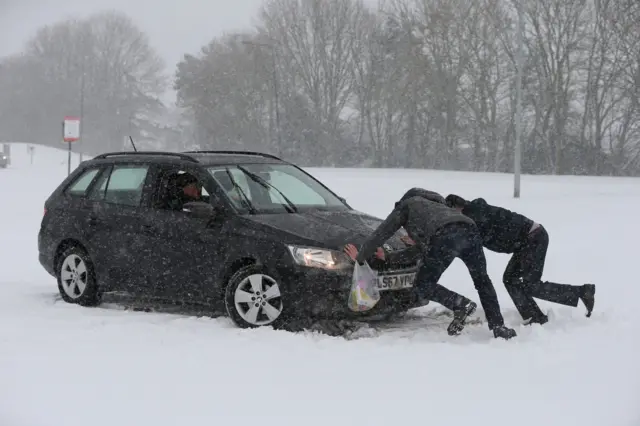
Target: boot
{"type": "Point", "coordinates": [503, 332]}
{"type": "Point", "coordinates": [588, 297]}
{"type": "Point", "coordinates": [537, 319]}
{"type": "Point", "coordinates": [459, 317]}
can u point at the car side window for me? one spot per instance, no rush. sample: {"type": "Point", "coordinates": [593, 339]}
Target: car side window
{"type": "Point", "coordinates": [224, 181]}
{"type": "Point", "coordinates": [97, 192]}
{"type": "Point", "coordinates": [123, 186]}
{"type": "Point", "coordinates": [81, 184]}
{"type": "Point", "coordinates": [175, 187]}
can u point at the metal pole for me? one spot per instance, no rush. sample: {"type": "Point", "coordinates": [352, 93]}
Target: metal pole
{"type": "Point", "coordinates": [68, 152]}
{"type": "Point", "coordinates": [518, 117]}
{"type": "Point", "coordinates": [82, 108]}
{"type": "Point", "coordinates": [275, 99]}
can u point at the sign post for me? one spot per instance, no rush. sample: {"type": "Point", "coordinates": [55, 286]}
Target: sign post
{"type": "Point", "coordinates": [70, 133]}
{"type": "Point", "coordinates": [6, 150]}
{"type": "Point", "coordinates": [30, 151]}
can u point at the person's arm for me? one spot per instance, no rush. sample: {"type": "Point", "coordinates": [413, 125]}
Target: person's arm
{"type": "Point", "coordinates": [385, 230]}
{"type": "Point", "coordinates": [403, 256]}
{"type": "Point", "coordinates": [424, 193]}
{"type": "Point", "coordinates": [477, 206]}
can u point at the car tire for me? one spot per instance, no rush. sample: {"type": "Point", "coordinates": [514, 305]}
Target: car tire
{"type": "Point", "coordinates": [76, 278]}
{"type": "Point", "coordinates": [253, 298]}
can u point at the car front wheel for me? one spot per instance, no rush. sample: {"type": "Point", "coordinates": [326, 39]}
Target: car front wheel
{"type": "Point", "coordinates": [253, 298]}
{"type": "Point", "coordinates": [76, 279]}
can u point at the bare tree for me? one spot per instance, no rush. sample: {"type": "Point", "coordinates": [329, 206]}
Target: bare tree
{"type": "Point", "coordinates": [127, 74]}
{"type": "Point", "coordinates": [602, 73]}
{"type": "Point", "coordinates": [441, 28]}
{"type": "Point", "coordinates": [624, 139]}
{"type": "Point", "coordinates": [427, 83]}
{"type": "Point", "coordinates": [378, 87]}
{"type": "Point", "coordinates": [20, 82]}
{"type": "Point", "coordinates": [227, 91]}
{"type": "Point", "coordinates": [102, 68]}
{"type": "Point", "coordinates": [487, 86]}
{"type": "Point", "coordinates": [315, 40]}
{"type": "Point", "coordinates": [557, 27]}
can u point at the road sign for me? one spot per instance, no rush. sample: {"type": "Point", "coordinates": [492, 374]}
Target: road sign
{"type": "Point", "coordinates": [70, 133]}
{"type": "Point", "coordinates": [71, 129]}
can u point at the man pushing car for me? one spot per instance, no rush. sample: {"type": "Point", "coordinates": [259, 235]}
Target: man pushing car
{"type": "Point", "coordinates": [441, 234]}
{"type": "Point", "coordinates": [504, 231]}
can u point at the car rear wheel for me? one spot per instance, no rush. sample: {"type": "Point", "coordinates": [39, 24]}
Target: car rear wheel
{"type": "Point", "coordinates": [76, 278]}
{"type": "Point", "coordinates": [253, 298]}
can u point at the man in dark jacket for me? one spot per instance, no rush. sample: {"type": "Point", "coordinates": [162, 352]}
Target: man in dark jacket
{"type": "Point", "coordinates": [504, 231]}
{"type": "Point", "coordinates": [441, 235]}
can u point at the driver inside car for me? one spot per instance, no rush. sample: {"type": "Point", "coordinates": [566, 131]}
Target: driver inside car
{"type": "Point", "coordinates": [192, 192]}
{"type": "Point", "coordinates": [191, 188]}
{"type": "Point", "coordinates": [183, 188]}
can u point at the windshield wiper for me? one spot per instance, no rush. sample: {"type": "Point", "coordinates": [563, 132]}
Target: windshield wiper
{"type": "Point", "coordinates": [245, 199]}
{"type": "Point", "coordinates": [291, 208]}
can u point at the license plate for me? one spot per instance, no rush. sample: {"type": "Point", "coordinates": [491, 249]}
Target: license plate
{"type": "Point", "coordinates": [396, 282]}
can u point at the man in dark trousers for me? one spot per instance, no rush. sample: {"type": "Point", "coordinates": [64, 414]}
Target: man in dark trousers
{"type": "Point", "coordinates": [441, 234]}
{"type": "Point", "coordinates": [504, 231]}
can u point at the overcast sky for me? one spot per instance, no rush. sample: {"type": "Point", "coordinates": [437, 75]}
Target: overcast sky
{"type": "Point", "coordinates": [174, 27]}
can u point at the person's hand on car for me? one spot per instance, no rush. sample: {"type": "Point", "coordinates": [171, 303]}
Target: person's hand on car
{"type": "Point", "coordinates": [352, 252]}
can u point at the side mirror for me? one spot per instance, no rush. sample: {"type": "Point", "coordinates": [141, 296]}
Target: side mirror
{"type": "Point", "coordinates": [200, 210]}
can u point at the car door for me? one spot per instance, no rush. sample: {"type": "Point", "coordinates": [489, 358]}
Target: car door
{"type": "Point", "coordinates": [115, 222]}
{"type": "Point", "coordinates": [74, 209]}
{"type": "Point", "coordinates": [187, 250]}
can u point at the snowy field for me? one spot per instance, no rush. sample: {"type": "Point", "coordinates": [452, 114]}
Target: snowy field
{"type": "Point", "coordinates": [72, 366]}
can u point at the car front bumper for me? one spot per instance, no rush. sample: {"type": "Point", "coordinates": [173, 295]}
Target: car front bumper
{"type": "Point", "coordinates": [324, 294]}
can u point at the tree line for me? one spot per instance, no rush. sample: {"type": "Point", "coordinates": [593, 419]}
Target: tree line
{"type": "Point", "coordinates": [102, 67]}
{"type": "Point", "coordinates": [408, 83]}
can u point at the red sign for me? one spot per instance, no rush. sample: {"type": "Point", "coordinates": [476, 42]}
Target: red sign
{"type": "Point", "coordinates": [71, 129]}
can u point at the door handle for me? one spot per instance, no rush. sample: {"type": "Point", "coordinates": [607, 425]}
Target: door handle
{"type": "Point", "coordinates": [148, 228]}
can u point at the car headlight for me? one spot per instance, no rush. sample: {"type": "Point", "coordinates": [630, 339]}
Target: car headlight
{"type": "Point", "coordinates": [320, 258]}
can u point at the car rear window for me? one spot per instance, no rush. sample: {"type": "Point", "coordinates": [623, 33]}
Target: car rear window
{"type": "Point", "coordinates": [80, 185]}
{"type": "Point", "coordinates": [122, 186]}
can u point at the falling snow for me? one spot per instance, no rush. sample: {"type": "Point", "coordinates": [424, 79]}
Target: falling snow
{"type": "Point", "coordinates": [64, 364]}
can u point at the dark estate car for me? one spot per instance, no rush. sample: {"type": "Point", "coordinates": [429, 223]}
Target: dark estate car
{"type": "Point", "coordinates": [263, 240]}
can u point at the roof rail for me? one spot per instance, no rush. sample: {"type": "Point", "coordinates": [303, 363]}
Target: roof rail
{"type": "Point", "coordinates": [261, 154]}
{"type": "Point", "coordinates": [150, 153]}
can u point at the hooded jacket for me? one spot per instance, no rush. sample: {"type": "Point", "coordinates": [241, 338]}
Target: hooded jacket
{"type": "Point", "coordinates": [502, 230]}
{"type": "Point", "coordinates": [420, 216]}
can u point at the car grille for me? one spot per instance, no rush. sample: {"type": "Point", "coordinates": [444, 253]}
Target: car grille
{"type": "Point", "coordinates": [401, 268]}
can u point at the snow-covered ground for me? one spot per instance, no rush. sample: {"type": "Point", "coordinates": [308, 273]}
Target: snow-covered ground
{"type": "Point", "coordinates": [67, 365]}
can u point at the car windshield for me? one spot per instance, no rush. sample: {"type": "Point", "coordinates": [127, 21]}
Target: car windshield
{"type": "Point", "coordinates": [273, 188]}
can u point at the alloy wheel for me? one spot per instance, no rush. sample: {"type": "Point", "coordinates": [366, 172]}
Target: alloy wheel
{"type": "Point", "coordinates": [74, 276]}
{"type": "Point", "coordinates": [257, 300]}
